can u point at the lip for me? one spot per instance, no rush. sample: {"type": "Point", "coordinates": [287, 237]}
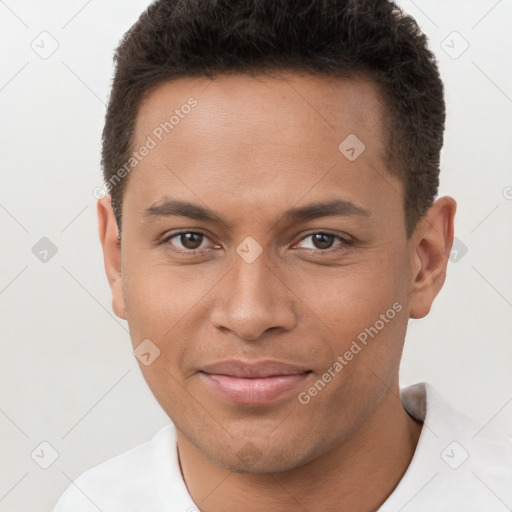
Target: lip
{"type": "Point", "coordinates": [257, 383]}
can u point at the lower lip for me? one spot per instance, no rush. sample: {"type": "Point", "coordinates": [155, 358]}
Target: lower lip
{"type": "Point", "coordinates": [256, 391]}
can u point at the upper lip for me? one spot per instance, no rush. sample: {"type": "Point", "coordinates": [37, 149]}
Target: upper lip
{"type": "Point", "coordinates": [248, 370]}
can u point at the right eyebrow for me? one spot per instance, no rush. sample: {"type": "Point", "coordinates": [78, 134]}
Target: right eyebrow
{"type": "Point", "coordinates": [176, 207]}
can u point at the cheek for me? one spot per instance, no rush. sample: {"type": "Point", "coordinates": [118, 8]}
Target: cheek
{"type": "Point", "coordinates": [363, 308]}
{"type": "Point", "coordinates": [346, 299]}
{"type": "Point", "coordinates": [160, 298]}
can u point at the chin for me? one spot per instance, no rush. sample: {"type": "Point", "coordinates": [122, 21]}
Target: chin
{"type": "Point", "coordinates": [265, 465]}
{"type": "Point", "coordinates": [261, 458]}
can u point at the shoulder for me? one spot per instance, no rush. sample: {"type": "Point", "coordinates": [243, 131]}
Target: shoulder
{"type": "Point", "coordinates": [475, 461]}
{"type": "Point", "coordinates": [126, 482]}
{"type": "Point", "coordinates": [487, 447]}
{"type": "Point", "coordinates": [460, 464]}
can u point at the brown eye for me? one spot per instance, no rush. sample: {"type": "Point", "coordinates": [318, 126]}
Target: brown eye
{"type": "Point", "coordinates": [322, 241]}
{"type": "Point", "coordinates": [191, 240]}
{"type": "Point", "coordinates": [186, 241]}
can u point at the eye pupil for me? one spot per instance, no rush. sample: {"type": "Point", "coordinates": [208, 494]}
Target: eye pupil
{"type": "Point", "coordinates": [187, 239]}
{"type": "Point", "coordinates": [325, 240]}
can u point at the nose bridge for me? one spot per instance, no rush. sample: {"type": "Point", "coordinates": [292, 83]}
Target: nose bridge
{"type": "Point", "coordinates": [252, 298]}
{"type": "Point", "coordinates": [251, 280]}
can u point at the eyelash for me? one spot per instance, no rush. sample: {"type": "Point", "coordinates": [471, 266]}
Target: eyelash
{"type": "Point", "coordinates": [194, 252]}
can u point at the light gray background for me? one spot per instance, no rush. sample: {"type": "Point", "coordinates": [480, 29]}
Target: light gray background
{"type": "Point", "coordinates": [68, 374]}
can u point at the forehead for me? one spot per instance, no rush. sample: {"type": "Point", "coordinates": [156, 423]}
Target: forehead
{"type": "Point", "coordinates": [304, 104]}
{"type": "Point", "coordinates": [257, 137]}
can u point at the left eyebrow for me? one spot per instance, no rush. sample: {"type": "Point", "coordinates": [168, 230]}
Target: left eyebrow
{"type": "Point", "coordinates": [336, 207]}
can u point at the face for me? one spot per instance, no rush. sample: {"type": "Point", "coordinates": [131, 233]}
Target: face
{"type": "Point", "coordinates": [278, 290]}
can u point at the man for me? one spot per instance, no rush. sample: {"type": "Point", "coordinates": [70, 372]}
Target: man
{"type": "Point", "coordinates": [271, 226]}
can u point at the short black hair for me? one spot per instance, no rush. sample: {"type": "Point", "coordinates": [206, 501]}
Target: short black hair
{"type": "Point", "coordinates": [339, 38]}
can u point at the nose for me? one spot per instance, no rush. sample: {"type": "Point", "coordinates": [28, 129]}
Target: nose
{"type": "Point", "coordinates": [253, 298]}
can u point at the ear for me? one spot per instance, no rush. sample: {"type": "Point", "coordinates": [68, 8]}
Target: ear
{"type": "Point", "coordinates": [431, 246]}
{"type": "Point", "coordinates": [107, 227]}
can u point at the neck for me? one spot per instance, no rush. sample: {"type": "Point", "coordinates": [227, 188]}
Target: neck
{"type": "Point", "coordinates": [357, 475]}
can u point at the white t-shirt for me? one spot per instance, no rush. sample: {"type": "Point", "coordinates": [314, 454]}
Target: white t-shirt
{"type": "Point", "coordinates": [459, 465]}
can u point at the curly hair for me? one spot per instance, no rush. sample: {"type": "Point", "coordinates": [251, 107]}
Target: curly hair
{"type": "Point", "coordinates": [338, 38]}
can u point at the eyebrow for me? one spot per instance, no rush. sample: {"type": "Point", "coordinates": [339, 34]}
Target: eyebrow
{"type": "Point", "coordinates": [335, 207]}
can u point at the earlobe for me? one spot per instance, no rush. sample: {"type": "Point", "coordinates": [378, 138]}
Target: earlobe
{"type": "Point", "coordinates": [432, 243]}
{"type": "Point", "coordinates": [108, 233]}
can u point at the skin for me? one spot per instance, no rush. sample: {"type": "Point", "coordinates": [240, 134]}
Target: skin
{"type": "Point", "coordinates": [251, 149]}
